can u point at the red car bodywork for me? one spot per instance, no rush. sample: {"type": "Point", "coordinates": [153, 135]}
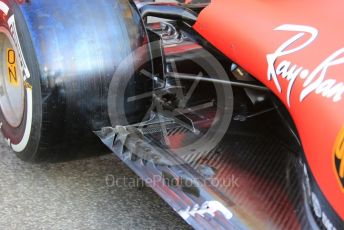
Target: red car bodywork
{"type": "Point", "coordinates": [296, 49]}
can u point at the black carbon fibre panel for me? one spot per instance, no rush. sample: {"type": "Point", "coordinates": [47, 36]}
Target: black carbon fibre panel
{"type": "Point", "coordinates": [250, 172]}
{"type": "Point", "coordinates": [254, 171]}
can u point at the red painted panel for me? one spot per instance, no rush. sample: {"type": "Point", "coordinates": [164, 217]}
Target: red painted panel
{"type": "Point", "coordinates": [296, 48]}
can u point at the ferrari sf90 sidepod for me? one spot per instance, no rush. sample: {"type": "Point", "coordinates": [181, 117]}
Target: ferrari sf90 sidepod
{"type": "Point", "coordinates": [296, 49]}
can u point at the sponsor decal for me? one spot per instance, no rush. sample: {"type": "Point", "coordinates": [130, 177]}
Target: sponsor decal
{"type": "Point", "coordinates": [338, 151]}
{"type": "Point", "coordinates": [315, 81]}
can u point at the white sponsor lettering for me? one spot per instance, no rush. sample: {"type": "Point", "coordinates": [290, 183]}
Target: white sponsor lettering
{"type": "Point", "coordinates": [315, 81]}
{"type": "Point", "coordinates": [4, 8]}
{"type": "Point", "coordinates": [12, 25]}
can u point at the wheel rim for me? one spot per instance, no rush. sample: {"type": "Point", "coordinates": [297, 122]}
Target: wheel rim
{"type": "Point", "coordinates": [11, 81]}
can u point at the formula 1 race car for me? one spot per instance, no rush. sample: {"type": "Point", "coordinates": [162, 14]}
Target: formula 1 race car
{"type": "Point", "coordinates": [232, 111]}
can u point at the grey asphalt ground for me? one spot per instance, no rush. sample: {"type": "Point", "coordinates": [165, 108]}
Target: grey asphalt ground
{"type": "Point", "coordinates": [80, 194]}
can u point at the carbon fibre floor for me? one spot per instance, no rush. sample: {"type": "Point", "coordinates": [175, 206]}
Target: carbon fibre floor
{"type": "Point", "coordinates": [251, 171]}
{"type": "Point", "coordinates": [255, 172]}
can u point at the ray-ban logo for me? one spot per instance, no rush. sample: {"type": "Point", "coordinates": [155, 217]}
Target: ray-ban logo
{"type": "Point", "coordinates": [315, 81]}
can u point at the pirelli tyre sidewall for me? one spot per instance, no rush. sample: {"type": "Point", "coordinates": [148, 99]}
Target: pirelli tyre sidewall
{"type": "Point", "coordinates": [24, 138]}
